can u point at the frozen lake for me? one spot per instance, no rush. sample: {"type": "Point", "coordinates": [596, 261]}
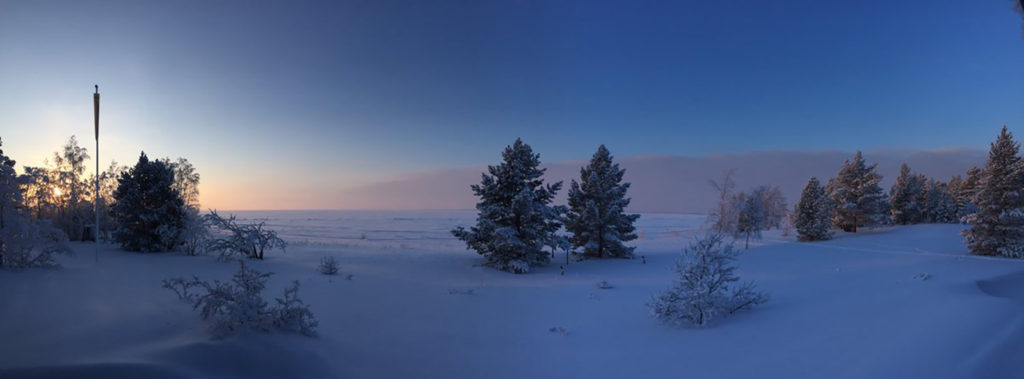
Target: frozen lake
{"type": "Point", "coordinates": [422, 229]}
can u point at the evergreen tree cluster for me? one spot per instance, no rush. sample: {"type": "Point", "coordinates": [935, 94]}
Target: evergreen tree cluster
{"type": "Point", "coordinates": [854, 199]}
{"type": "Point", "coordinates": [516, 219]}
{"type": "Point", "coordinates": [915, 198]}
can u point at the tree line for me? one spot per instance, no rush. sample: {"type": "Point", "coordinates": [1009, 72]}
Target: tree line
{"type": "Point", "coordinates": [152, 206]}
{"type": "Point", "coordinates": [989, 199]}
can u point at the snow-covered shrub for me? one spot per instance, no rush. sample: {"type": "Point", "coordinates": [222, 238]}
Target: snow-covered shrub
{"type": "Point", "coordinates": [515, 220]}
{"type": "Point", "coordinates": [597, 215]}
{"type": "Point", "coordinates": [239, 305]}
{"type": "Point", "coordinates": [196, 234]}
{"type": "Point", "coordinates": [249, 240]}
{"type": "Point", "coordinates": [148, 211]}
{"type": "Point", "coordinates": [26, 244]}
{"type": "Point", "coordinates": [292, 314]}
{"type": "Point", "coordinates": [705, 289]}
{"type": "Point", "coordinates": [328, 265]}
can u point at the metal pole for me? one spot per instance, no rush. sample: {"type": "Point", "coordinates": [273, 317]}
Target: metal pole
{"type": "Point", "coordinates": [96, 196]}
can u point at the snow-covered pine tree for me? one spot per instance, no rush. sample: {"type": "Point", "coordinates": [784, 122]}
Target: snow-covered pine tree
{"type": "Point", "coordinates": [855, 193]}
{"type": "Point", "coordinates": [515, 220]}
{"type": "Point", "coordinates": [939, 204]}
{"type": "Point", "coordinates": [597, 215]}
{"type": "Point", "coordinates": [149, 213]}
{"type": "Point", "coordinates": [906, 198]}
{"type": "Point", "coordinates": [997, 228]}
{"type": "Point", "coordinates": [812, 215]}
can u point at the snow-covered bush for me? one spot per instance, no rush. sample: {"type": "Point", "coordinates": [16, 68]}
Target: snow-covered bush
{"type": "Point", "coordinates": [292, 314]}
{"type": "Point", "coordinates": [248, 240]}
{"type": "Point", "coordinates": [705, 290]}
{"type": "Point", "coordinates": [597, 215]}
{"type": "Point", "coordinates": [26, 244]}
{"type": "Point", "coordinates": [195, 236]}
{"type": "Point", "coordinates": [328, 265]}
{"type": "Point", "coordinates": [239, 305]}
{"type": "Point", "coordinates": [515, 220]}
{"type": "Point", "coordinates": [148, 211]}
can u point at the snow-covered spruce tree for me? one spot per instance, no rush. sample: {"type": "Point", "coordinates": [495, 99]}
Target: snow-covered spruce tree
{"type": "Point", "coordinates": [149, 213]}
{"type": "Point", "coordinates": [998, 226]}
{"type": "Point", "coordinates": [515, 220]}
{"type": "Point", "coordinates": [906, 198]}
{"type": "Point", "coordinates": [812, 215]}
{"type": "Point", "coordinates": [597, 218]}
{"type": "Point", "coordinates": [705, 290]}
{"type": "Point", "coordinates": [939, 204]}
{"type": "Point", "coordinates": [856, 196]}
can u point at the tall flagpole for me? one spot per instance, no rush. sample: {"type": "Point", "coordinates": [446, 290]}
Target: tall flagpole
{"type": "Point", "coordinates": [96, 196]}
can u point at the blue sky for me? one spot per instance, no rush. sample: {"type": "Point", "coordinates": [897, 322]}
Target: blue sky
{"type": "Point", "coordinates": [284, 96]}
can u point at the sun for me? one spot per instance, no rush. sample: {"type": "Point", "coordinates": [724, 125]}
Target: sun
{"type": "Point", "coordinates": [57, 192]}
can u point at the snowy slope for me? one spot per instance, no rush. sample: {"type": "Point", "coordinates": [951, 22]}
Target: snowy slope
{"type": "Point", "coordinates": [850, 307]}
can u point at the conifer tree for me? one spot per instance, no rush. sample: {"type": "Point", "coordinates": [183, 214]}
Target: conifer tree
{"type": "Point", "coordinates": [855, 193]}
{"type": "Point", "coordinates": [939, 204]}
{"type": "Point", "coordinates": [10, 193]}
{"type": "Point", "coordinates": [906, 198]}
{"type": "Point", "coordinates": [597, 215]}
{"type": "Point", "coordinates": [997, 228]}
{"type": "Point", "coordinates": [963, 193]}
{"type": "Point", "coordinates": [812, 215]}
{"type": "Point", "coordinates": [515, 220]}
{"type": "Point", "coordinates": [148, 211]}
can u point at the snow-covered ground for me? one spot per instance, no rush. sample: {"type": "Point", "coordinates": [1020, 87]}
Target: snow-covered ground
{"type": "Point", "coordinates": [419, 305]}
